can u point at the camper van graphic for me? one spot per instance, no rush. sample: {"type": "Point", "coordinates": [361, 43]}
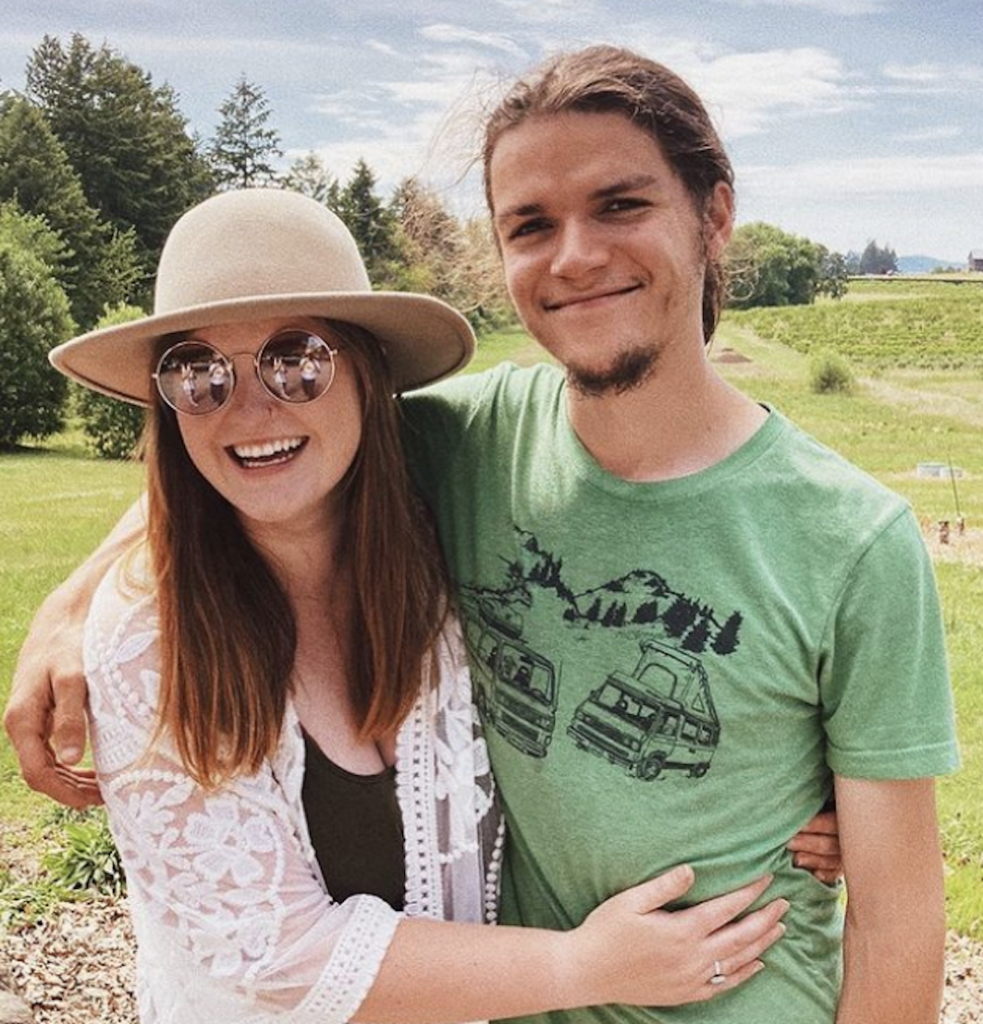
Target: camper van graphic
{"type": "Point", "coordinates": [660, 717]}
{"type": "Point", "coordinates": [516, 688]}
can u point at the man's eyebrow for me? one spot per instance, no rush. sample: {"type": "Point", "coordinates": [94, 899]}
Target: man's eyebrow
{"type": "Point", "coordinates": [522, 210]}
{"type": "Point", "coordinates": [623, 185]}
{"type": "Point", "coordinates": [616, 188]}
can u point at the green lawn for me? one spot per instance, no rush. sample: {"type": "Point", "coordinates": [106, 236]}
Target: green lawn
{"type": "Point", "coordinates": [55, 505]}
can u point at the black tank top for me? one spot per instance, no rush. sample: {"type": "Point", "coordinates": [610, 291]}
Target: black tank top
{"type": "Point", "coordinates": [356, 828]}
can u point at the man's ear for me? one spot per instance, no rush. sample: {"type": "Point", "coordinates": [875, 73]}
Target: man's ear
{"type": "Point", "coordinates": [718, 220]}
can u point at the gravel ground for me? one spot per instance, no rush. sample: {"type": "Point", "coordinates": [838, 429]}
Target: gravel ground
{"type": "Point", "coordinates": [76, 967]}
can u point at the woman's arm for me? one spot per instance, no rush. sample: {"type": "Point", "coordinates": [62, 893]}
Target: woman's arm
{"type": "Point", "coordinates": [228, 897]}
{"type": "Point", "coordinates": [629, 951]}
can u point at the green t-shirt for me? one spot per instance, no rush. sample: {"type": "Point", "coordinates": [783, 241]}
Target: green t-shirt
{"type": "Point", "coordinates": [671, 672]}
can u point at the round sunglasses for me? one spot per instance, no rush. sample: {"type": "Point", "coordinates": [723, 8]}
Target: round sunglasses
{"type": "Point", "coordinates": [293, 366]}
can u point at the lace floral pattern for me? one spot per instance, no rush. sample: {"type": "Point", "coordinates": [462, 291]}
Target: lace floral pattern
{"type": "Point", "coordinates": [232, 919]}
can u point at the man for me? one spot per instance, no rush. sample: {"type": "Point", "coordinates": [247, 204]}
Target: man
{"type": "Point", "coordinates": [690, 623]}
{"type": "Point", "coordinates": [722, 621]}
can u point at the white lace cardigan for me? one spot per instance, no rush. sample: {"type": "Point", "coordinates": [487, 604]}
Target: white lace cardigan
{"type": "Point", "coordinates": [231, 915]}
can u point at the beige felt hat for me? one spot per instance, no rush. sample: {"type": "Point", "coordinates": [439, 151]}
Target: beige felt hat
{"type": "Point", "coordinates": [266, 253]}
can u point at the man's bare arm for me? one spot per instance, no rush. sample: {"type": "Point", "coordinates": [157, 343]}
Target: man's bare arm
{"type": "Point", "coordinates": [45, 715]}
{"type": "Point", "coordinates": [894, 947]}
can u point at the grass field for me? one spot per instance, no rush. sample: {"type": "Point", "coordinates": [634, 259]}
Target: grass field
{"type": "Point", "coordinates": [56, 504]}
{"type": "Point", "coordinates": [886, 324]}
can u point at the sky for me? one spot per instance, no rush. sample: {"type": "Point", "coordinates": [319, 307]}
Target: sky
{"type": "Point", "coordinates": [846, 120]}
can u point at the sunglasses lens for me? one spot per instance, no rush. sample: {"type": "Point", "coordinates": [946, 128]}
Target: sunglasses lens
{"type": "Point", "coordinates": [296, 366]}
{"type": "Point", "coordinates": [194, 378]}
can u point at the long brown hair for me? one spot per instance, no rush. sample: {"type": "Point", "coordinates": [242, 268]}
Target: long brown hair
{"type": "Point", "coordinates": [609, 79]}
{"type": "Point", "coordinates": [228, 633]}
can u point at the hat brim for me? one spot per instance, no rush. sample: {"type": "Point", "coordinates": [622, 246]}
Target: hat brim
{"type": "Point", "coordinates": [425, 339]}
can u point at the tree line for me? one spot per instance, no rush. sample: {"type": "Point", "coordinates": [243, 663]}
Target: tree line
{"type": "Point", "coordinates": [97, 162]}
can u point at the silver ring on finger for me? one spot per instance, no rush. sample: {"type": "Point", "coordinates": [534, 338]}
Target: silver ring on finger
{"type": "Point", "coordinates": [718, 977]}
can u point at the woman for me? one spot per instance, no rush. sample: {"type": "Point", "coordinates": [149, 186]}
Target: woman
{"type": "Point", "coordinates": [280, 709]}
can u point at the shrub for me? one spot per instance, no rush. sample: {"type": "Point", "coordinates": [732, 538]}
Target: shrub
{"type": "Point", "coordinates": [112, 427]}
{"type": "Point", "coordinates": [830, 374]}
{"type": "Point", "coordinates": [23, 903]}
{"type": "Point", "coordinates": [89, 859]}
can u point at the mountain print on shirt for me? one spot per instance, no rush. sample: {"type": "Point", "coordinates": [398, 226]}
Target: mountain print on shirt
{"type": "Point", "coordinates": [653, 713]}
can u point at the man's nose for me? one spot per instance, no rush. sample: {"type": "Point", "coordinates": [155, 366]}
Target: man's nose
{"type": "Point", "coordinates": [580, 249]}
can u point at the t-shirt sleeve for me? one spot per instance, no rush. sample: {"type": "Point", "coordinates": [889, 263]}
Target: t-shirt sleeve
{"type": "Point", "coordinates": [884, 682]}
{"type": "Point", "coordinates": [435, 422]}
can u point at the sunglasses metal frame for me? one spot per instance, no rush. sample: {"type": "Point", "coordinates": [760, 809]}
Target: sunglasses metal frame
{"type": "Point", "coordinates": [257, 359]}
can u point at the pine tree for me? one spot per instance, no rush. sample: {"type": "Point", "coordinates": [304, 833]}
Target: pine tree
{"type": "Point", "coordinates": [373, 226]}
{"type": "Point", "coordinates": [679, 616]}
{"type": "Point", "coordinates": [125, 138]}
{"type": "Point", "coordinates": [244, 146]}
{"type": "Point", "coordinates": [309, 177]}
{"type": "Point", "coordinates": [99, 265]}
{"type": "Point", "coordinates": [726, 640]}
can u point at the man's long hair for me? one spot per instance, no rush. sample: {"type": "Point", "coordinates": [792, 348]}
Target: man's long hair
{"type": "Point", "coordinates": [228, 632]}
{"type": "Point", "coordinates": [608, 79]}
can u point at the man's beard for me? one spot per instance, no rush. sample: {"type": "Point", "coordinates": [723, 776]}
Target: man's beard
{"type": "Point", "coordinates": [629, 371]}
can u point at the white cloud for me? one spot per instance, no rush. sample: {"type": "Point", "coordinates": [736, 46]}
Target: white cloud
{"type": "Point", "coordinates": [380, 47]}
{"type": "Point", "coordinates": [563, 12]}
{"type": "Point", "coordinates": [444, 33]}
{"type": "Point", "coordinates": [748, 91]}
{"type": "Point", "coordinates": [935, 134]}
{"type": "Point", "coordinates": [825, 179]}
{"type": "Point", "coordinates": [846, 8]}
{"type": "Point", "coordinates": [934, 74]}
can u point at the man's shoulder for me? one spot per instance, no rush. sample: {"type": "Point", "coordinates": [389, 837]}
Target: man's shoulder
{"type": "Point", "coordinates": [472, 397]}
{"type": "Point", "coordinates": [828, 472]}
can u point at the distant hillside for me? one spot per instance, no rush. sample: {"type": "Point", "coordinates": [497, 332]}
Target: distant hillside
{"type": "Point", "coordinates": [925, 264]}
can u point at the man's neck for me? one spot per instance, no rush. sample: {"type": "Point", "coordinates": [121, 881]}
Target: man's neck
{"type": "Point", "coordinates": [671, 426]}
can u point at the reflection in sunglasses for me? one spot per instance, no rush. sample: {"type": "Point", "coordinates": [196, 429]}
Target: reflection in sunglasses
{"type": "Point", "coordinates": [292, 366]}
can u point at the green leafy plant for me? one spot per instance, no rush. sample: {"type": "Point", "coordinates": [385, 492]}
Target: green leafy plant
{"type": "Point", "coordinates": [89, 859]}
{"type": "Point", "coordinates": [829, 373]}
{"type": "Point", "coordinates": [113, 427]}
{"type": "Point", "coordinates": [24, 903]}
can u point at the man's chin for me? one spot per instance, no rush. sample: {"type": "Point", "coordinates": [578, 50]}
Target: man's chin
{"type": "Point", "coordinates": [629, 370]}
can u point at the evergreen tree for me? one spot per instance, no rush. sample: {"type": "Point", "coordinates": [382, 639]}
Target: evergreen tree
{"type": "Point", "coordinates": [245, 146]}
{"type": "Point", "coordinates": [696, 639]}
{"type": "Point", "coordinates": [875, 260]}
{"type": "Point", "coordinates": [373, 226]}
{"type": "Point", "coordinates": [34, 316]}
{"type": "Point", "coordinates": [646, 612]}
{"type": "Point", "coordinates": [309, 177]}
{"type": "Point", "coordinates": [125, 138]}
{"type": "Point", "coordinates": [679, 616]}
{"type": "Point", "coordinates": [726, 640]}
{"type": "Point", "coordinates": [99, 265]}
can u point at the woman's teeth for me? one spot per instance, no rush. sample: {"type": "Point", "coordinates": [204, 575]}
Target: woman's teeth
{"type": "Point", "coordinates": [269, 452]}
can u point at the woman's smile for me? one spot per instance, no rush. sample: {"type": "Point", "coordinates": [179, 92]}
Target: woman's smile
{"type": "Point", "coordinates": [258, 455]}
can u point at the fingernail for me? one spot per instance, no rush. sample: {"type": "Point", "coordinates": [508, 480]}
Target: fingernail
{"type": "Point", "coordinates": [70, 755]}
